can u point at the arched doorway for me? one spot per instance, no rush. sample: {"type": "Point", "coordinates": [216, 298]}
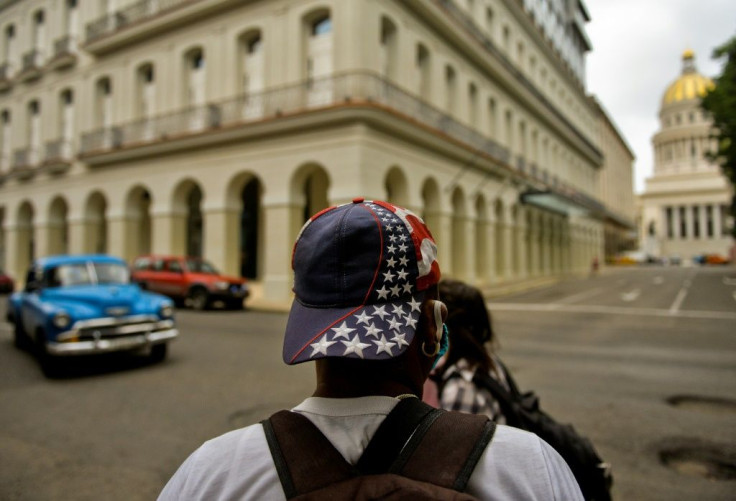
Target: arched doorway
{"type": "Point", "coordinates": [397, 191]}
{"type": "Point", "coordinates": [481, 238]}
{"type": "Point", "coordinates": [250, 215]}
{"type": "Point", "coordinates": [58, 229]}
{"type": "Point", "coordinates": [500, 220]}
{"type": "Point", "coordinates": [25, 244]}
{"type": "Point", "coordinates": [95, 239]}
{"type": "Point", "coordinates": [138, 215]}
{"type": "Point", "coordinates": [459, 237]}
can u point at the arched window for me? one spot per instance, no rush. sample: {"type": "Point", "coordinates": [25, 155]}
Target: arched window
{"type": "Point", "coordinates": [389, 49]}
{"type": "Point", "coordinates": [146, 90]}
{"type": "Point", "coordinates": [103, 102]}
{"type": "Point", "coordinates": [423, 72]}
{"type": "Point", "coordinates": [252, 72]}
{"type": "Point", "coordinates": [195, 85]}
{"type": "Point", "coordinates": [66, 121]}
{"type": "Point", "coordinates": [318, 57]}
{"type": "Point", "coordinates": [473, 105]}
{"type": "Point", "coordinates": [5, 138]}
{"type": "Point", "coordinates": [34, 132]}
{"type": "Point", "coordinates": [9, 53]}
{"type": "Point", "coordinates": [450, 89]}
{"type": "Point", "coordinates": [39, 36]}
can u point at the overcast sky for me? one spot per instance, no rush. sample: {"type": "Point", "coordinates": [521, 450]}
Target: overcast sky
{"type": "Point", "coordinates": [637, 53]}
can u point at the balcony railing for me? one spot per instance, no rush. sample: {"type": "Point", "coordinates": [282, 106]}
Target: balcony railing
{"type": "Point", "coordinates": [65, 52]}
{"type": "Point", "coordinates": [348, 88]}
{"type": "Point", "coordinates": [59, 150]}
{"type": "Point", "coordinates": [32, 60]}
{"type": "Point", "coordinates": [133, 13]}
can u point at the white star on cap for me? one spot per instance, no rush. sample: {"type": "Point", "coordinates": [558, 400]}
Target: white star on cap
{"type": "Point", "coordinates": [380, 311]}
{"type": "Point", "coordinates": [354, 346]}
{"type": "Point", "coordinates": [384, 345]}
{"type": "Point", "coordinates": [403, 247]}
{"type": "Point", "coordinates": [394, 324]}
{"type": "Point", "coordinates": [390, 227]}
{"type": "Point", "coordinates": [391, 262]}
{"type": "Point", "coordinates": [388, 276]}
{"type": "Point", "coordinates": [404, 261]}
{"type": "Point", "coordinates": [398, 310]}
{"type": "Point", "coordinates": [411, 322]}
{"type": "Point", "coordinates": [342, 331]}
{"type": "Point", "coordinates": [321, 346]}
{"type": "Point", "coordinates": [400, 339]}
{"type": "Point", "coordinates": [393, 238]}
{"type": "Point", "coordinates": [382, 292]}
{"type": "Point", "coordinates": [407, 287]}
{"type": "Point", "coordinates": [363, 317]}
{"type": "Point", "coordinates": [391, 249]}
{"type": "Point", "coordinates": [372, 330]}
{"type": "Point", "coordinates": [395, 290]}
{"type": "Point", "coordinates": [402, 274]}
{"type": "Point", "coordinates": [415, 305]}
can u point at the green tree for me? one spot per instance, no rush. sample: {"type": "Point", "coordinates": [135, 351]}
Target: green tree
{"type": "Point", "coordinates": [720, 102]}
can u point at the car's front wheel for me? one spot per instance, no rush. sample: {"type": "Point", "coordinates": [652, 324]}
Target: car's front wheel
{"type": "Point", "coordinates": [158, 352]}
{"type": "Point", "coordinates": [20, 339]}
{"type": "Point", "coordinates": [50, 365]}
{"type": "Point", "coordinates": [199, 299]}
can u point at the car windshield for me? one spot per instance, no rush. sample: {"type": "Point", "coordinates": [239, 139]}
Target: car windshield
{"type": "Point", "coordinates": [201, 266]}
{"type": "Point", "coordinates": [88, 274]}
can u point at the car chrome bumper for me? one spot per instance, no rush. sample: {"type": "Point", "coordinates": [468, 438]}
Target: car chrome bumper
{"type": "Point", "coordinates": [106, 345]}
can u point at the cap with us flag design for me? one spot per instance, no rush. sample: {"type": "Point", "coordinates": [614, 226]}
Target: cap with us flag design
{"type": "Point", "coordinates": [361, 271]}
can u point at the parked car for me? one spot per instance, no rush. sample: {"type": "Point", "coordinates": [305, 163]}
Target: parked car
{"type": "Point", "coordinates": [189, 280]}
{"type": "Point", "coordinates": [6, 283]}
{"type": "Point", "coordinates": [86, 304]}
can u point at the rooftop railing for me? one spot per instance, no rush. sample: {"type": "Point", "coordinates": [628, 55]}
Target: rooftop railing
{"type": "Point", "coordinates": [348, 88]}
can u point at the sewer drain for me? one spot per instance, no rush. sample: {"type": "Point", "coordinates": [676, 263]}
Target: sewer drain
{"type": "Point", "coordinates": [704, 461]}
{"type": "Point", "coordinates": [705, 404]}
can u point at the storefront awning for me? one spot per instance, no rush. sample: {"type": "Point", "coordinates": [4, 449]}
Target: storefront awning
{"type": "Point", "coordinates": [556, 202]}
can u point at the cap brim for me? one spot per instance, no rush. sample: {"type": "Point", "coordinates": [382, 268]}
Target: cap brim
{"type": "Point", "coordinates": [371, 332]}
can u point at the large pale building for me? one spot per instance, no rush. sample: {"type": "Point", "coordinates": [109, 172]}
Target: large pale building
{"type": "Point", "coordinates": [685, 206]}
{"type": "Point", "coordinates": [215, 127]}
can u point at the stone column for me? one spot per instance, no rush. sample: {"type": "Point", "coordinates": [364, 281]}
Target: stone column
{"type": "Point", "coordinates": [282, 221]}
{"type": "Point", "coordinates": [676, 235]}
{"type": "Point", "coordinates": [221, 238]}
{"type": "Point", "coordinates": [508, 269]}
{"type": "Point", "coordinates": [521, 246]}
{"type": "Point", "coordinates": [119, 242]}
{"type": "Point", "coordinates": [169, 231]}
{"type": "Point", "coordinates": [490, 254]}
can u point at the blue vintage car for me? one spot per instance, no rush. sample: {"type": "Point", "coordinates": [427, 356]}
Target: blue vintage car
{"type": "Point", "coordinates": [86, 304]}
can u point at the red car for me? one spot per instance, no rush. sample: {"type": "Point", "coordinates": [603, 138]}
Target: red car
{"type": "Point", "coordinates": [189, 280]}
{"type": "Point", "coordinates": [6, 283]}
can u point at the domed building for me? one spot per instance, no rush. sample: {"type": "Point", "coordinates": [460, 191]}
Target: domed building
{"type": "Point", "coordinates": [685, 202]}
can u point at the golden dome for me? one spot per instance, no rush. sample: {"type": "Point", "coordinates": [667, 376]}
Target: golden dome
{"type": "Point", "coordinates": [690, 85]}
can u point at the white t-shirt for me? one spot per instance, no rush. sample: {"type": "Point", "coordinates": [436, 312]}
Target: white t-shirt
{"type": "Point", "coordinates": [516, 465]}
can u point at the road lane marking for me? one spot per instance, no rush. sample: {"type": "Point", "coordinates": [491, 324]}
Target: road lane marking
{"type": "Point", "coordinates": [734, 295]}
{"type": "Point", "coordinates": [611, 310]}
{"type": "Point", "coordinates": [658, 280]}
{"type": "Point", "coordinates": [729, 281]}
{"type": "Point", "coordinates": [581, 295]}
{"type": "Point", "coordinates": [630, 296]}
{"type": "Point", "coordinates": [678, 301]}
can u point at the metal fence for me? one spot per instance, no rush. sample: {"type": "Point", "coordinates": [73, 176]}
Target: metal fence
{"type": "Point", "coordinates": [348, 88]}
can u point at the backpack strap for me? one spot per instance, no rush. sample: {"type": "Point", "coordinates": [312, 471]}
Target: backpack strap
{"type": "Point", "coordinates": [305, 460]}
{"type": "Point", "coordinates": [445, 451]}
{"type": "Point", "coordinates": [393, 434]}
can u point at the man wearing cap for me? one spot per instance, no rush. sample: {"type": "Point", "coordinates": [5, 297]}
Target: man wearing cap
{"type": "Point", "coordinates": [366, 309]}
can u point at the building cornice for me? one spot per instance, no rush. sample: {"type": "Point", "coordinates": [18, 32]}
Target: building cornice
{"type": "Point", "coordinates": [481, 51]}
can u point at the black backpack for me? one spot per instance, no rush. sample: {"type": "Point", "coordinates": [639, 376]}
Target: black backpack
{"type": "Point", "coordinates": [521, 410]}
{"type": "Point", "coordinates": [418, 452]}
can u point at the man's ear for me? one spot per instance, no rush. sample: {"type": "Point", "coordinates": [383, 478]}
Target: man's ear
{"type": "Point", "coordinates": [434, 314]}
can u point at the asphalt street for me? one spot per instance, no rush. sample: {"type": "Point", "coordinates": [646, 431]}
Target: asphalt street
{"type": "Point", "coordinates": [641, 360]}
